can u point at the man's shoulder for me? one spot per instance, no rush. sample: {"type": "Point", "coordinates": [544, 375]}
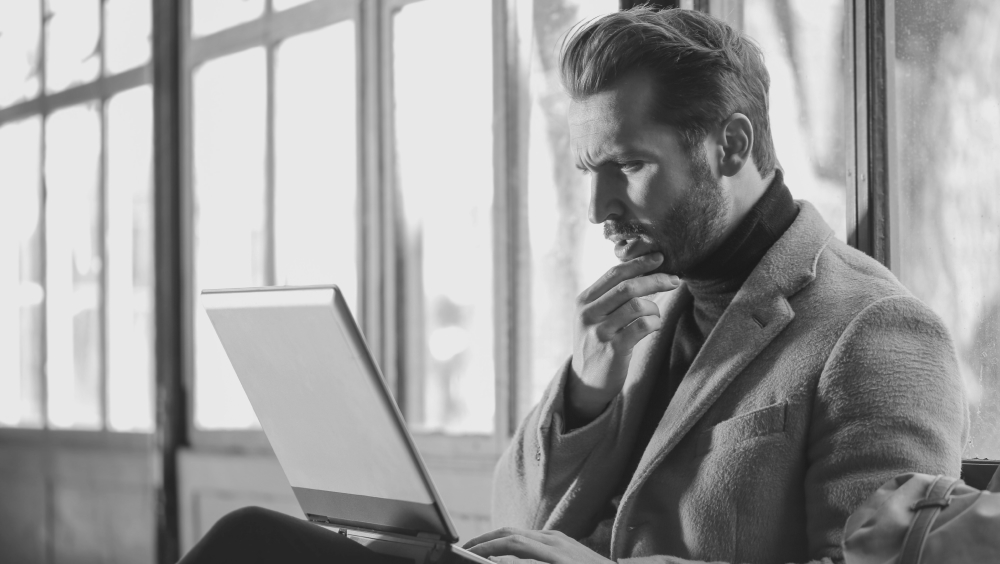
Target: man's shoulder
{"type": "Point", "coordinates": [849, 282]}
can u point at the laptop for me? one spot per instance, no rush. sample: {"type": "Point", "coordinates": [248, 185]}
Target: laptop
{"type": "Point", "coordinates": [334, 426]}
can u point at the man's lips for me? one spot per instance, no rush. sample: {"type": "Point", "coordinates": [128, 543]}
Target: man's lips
{"type": "Point", "coordinates": [632, 247]}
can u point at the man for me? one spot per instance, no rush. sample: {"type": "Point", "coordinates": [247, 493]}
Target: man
{"type": "Point", "coordinates": [739, 416]}
{"type": "Point", "coordinates": [742, 415]}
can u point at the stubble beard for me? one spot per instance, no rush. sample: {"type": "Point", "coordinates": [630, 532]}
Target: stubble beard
{"type": "Point", "coordinates": [692, 228]}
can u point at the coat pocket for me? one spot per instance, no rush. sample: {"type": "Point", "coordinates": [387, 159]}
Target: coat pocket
{"type": "Point", "coordinates": [731, 432]}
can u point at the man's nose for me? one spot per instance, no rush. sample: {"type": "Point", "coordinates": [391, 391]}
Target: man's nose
{"type": "Point", "coordinates": [605, 202]}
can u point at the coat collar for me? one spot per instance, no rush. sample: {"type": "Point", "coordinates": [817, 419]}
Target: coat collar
{"type": "Point", "coordinates": [758, 313]}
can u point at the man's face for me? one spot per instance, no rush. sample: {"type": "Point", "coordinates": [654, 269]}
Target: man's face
{"type": "Point", "coordinates": [651, 193]}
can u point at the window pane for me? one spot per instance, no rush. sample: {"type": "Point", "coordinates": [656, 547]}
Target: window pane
{"type": "Point", "coordinates": [803, 47]}
{"type": "Point", "coordinates": [73, 267]}
{"type": "Point", "coordinates": [127, 26]}
{"type": "Point", "coordinates": [948, 137]}
{"type": "Point", "coordinates": [210, 16]}
{"type": "Point", "coordinates": [130, 260]}
{"type": "Point", "coordinates": [444, 149]}
{"type": "Point", "coordinates": [568, 253]}
{"type": "Point", "coordinates": [20, 34]}
{"type": "Point", "coordinates": [316, 160]}
{"type": "Point", "coordinates": [229, 109]}
{"type": "Point", "coordinates": [21, 292]}
{"type": "Point", "coordinates": [72, 49]}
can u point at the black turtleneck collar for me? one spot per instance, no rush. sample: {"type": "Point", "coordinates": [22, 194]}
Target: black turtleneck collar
{"type": "Point", "coordinates": [740, 252]}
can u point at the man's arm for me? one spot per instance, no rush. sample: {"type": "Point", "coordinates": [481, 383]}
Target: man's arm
{"type": "Point", "coordinates": [890, 400]}
{"type": "Point", "coordinates": [581, 408]}
{"type": "Point", "coordinates": [544, 459]}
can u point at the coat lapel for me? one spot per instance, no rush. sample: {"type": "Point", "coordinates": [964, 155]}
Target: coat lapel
{"type": "Point", "coordinates": [757, 314]}
{"type": "Point", "coordinates": [747, 326]}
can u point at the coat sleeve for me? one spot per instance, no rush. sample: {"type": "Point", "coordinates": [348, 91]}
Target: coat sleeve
{"type": "Point", "coordinates": [542, 462]}
{"type": "Point", "coordinates": [890, 400]}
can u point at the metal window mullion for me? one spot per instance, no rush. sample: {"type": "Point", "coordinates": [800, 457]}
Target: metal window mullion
{"type": "Point", "coordinates": [173, 304]}
{"type": "Point", "coordinates": [503, 341]}
{"type": "Point", "coordinates": [270, 251]}
{"type": "Point", "coordinates": [393, 357]}
{"type": "Point", "coordinates": [371, 281]}
{"type": "Point", "coordinates": [870, 222]}
{"type": "Point", "coordinates": [103, 302]}
{"type": "Point", "coordinates": [512, 263]}
{"type": "Point", "coordinates": [102, 175]}
{"type": "Point", "coordinates": [43, 221]}
{"type": "Point", "coordinates": [267, 28]}
{"type": "Point", "coordinates": [48, 103]}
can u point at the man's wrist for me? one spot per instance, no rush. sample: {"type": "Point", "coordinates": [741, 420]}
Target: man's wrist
{"type": "Point", "coordinates": [582, 404]}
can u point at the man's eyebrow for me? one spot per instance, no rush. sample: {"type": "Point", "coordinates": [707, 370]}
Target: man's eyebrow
{"type": "Point", "coordinates": [615, 157]}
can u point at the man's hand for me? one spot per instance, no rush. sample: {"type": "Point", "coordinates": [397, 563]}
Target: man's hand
{"type": "Point", "coordinates": [510, 545]}
{"type": "Point", "coordinates": [611, 318]}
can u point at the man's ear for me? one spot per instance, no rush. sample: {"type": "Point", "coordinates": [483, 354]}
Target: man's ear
{"type": "Point", "coordinates": [737, 144]}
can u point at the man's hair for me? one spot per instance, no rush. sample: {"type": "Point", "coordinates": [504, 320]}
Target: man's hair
{"type": "Point", "coordinates": [703, 70]}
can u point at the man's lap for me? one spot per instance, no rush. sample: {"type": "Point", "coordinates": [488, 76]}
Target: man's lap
{"type": "Point", "coordinates": [254, 535]}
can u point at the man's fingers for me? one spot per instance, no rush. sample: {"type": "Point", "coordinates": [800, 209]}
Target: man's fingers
{"type": "Point", "coordinates": [519, 546]}
{"type": "Point", "coordinates": [624, 315]}
{"type": "Point", "coordinates": [543, 537]}
{"type": "Point", "coordinates": [494, 534]}
{"type": "Point", "coordinates": [626, 290]}
{"type": "Point", "coordinates": [629, 337]}
{"type": "Point", "coordinates": [498, 534]}
{"type": "Point", "coordinates": [620, 273]}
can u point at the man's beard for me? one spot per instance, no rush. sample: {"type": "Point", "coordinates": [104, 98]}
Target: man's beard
{"type": "Point", "coordinates": [691, 229]}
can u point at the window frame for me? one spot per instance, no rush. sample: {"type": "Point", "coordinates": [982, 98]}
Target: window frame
{"type": "Point", "coordinates": [267, 31]}
{"type": "Point", "coordinates": [98, 91]}
{"type": "Point", "coordinates": [379, 205]}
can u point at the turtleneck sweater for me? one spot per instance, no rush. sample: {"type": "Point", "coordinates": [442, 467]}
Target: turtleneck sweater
{"type": "Point", "coordinates": [713, 284]}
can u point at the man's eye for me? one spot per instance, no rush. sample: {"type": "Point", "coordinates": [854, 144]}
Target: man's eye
{"type": "Point", "coordinates": [584, 171]}
{"type": "Point", "coordinates": [630, 166]}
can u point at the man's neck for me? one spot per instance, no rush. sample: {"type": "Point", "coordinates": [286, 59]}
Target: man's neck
{"type": "Point", "coordinates": [760, 226]}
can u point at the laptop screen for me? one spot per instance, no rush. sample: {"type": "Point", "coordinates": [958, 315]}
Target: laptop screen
{"type": "Point", "coordinates": [322, 403]}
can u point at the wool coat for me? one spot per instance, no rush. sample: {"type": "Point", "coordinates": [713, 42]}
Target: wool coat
{"type": "Point", "coordinates": [822, 379]}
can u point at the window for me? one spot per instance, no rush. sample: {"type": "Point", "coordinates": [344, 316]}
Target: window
{"type": "Point", "coordinates": [947, 122]}
{"type": "Point", "coordinates": [75, 265]}
{"type": "Point", "coordinates": [452, 215]}
{"type": "Point", "coordinates": [444, 171]}
{"type": "Point", "coordinates": [274, 167]}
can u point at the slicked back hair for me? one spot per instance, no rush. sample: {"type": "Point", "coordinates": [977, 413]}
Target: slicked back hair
{"type": "Point", "coordinates": [703, 70]}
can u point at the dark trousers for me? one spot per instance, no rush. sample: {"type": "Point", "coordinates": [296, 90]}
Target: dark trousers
{"type": "Point", "coordinates": [254, 535]}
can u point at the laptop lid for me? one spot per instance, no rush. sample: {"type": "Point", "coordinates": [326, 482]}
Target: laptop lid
{"type": "Point", "coordinates": [324, 406]}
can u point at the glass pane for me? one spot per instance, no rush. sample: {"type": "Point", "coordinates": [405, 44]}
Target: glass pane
{"type": "Point", "coordinates": [72, 48]}
{"type": "Point", "coordinates": [230, 236]}
{"type": "Point", "coordinates": [568, 253]}
{"type": "Point", "coordinates": [210, 16]}
{"type": "Point", "coordinates": [803, 47]}
{"type": "Point", "coordinates": [948, 138]}
{"type": "Point", "coordinates": [316, 186]}
{"type": "Point", "coordinates": [279, 5]}
{"type": "Point", "coordinates": [20, 34]}
{"type": "Point", "coordinates": [130, 260]}
{"type": "Point", "coordinates": [21, 291]}
{"type": "Point", "coordinates": [73, 267]}
{"type": "Point", "coordinates": [444, 148]}
{"type": "Point", "coordinates": [127, 28]}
